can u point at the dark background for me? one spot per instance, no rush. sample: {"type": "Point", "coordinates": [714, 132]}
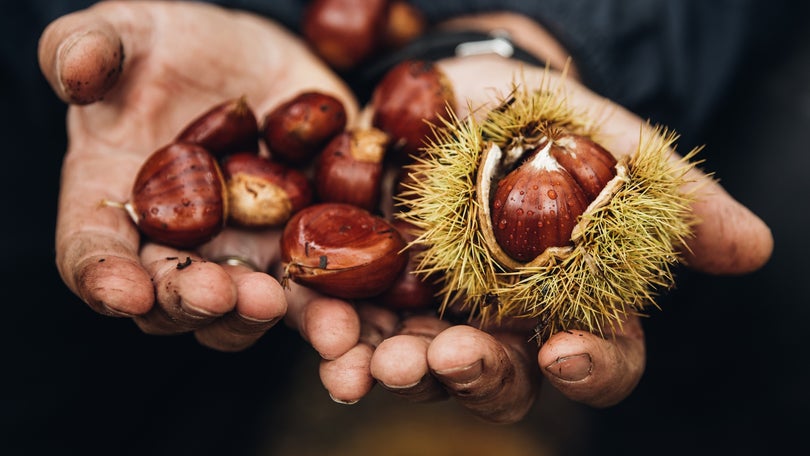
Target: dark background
{"type": "Point", "coordinates": [727, 356]}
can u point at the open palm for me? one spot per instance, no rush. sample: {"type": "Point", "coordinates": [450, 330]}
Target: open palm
{"type": "Point", "coordinates": [135, 73]}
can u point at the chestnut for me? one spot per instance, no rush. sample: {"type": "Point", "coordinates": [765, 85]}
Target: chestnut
{"type": "Point", "coordinates": [411, 96]}
{"type": "Point", "coordinates": [225, 128]}
{"type": "Point", "coordinates": [178, 197]}
{"type": "Point", "coordinates": [297, 129]}
{"type": "Point", "coordinates": [590, 164]}
{"type": "Point", "coordinates": [342, 250]}
{"type": "Point", "coordinates": [261, 192]}
{"type": "Point", "coordinates": [537, 205]}
{"type": "Point", "coordinates": [345, 32]}
{"type": "Point", "coordinates": [526, 216]}
{"type": "Point", "coordinates": [350, 168]}
{"type": "Point", "coordinates": [411, 290]}
{"type": "Point", "coordinates": [405, 23]}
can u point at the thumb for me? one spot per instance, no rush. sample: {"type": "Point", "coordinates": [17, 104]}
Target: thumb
{"type": "Point", "coordinates": [729, 239]}
{"type": "Point", "coordinates": [82, 54]}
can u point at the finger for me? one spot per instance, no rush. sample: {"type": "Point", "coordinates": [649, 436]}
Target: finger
{"type": "Point", "coordinates": [376, 324]}
{"type": "Point", "coordinates": [260, 301]}
{"type": "Point", "coordinates": [400, 362]}
{"type": "Point", "coordinates": [333, 326]}
{"type": "Point", "coordinates": [96, 245]}
{"type": "Point", "coordinates": [258, 248]}
{"type": "Point", "coordinates": [260, 304]}
{"type": "Point", "coordinates": [491, 377]}
{"type": "Point", "coordinates": [348, 377]}
{"type": "Point", "coordinates": [330, 325]}
{"type": "Point", "coordinates": [190, 292]}
{"type": "Point", "coordinates": [82, 54]}
{"type": "Point", "coordinates": [596, 371]}
{"type": "Point", "coordinates": [729, 238]}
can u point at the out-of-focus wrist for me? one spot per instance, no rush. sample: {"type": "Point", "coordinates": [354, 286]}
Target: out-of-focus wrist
{"type": "Point", "coordinates": [523, 32]}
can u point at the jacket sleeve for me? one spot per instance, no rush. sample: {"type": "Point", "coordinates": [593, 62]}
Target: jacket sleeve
{"type": "Point", "coordinates": [671, 61]}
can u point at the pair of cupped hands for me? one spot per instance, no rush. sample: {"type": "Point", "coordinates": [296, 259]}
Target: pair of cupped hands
{"type": "Point", "coordinates": [134, 73]}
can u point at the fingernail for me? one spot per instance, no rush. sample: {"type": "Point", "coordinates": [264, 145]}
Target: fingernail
{"type": "Point", "coordinates": [262, 322]}
{"type": "Point", "coordinates": [401, 387]}
{"type": "Point", "coordinates": [109, 311]}
{"type": "Point", "coordinates": [88, 64]}
{"type": "Point", "coordinates": [343, 402]}
{"type": "Point", "coordinates": [327, 356]}
{"type": "Point", "coordinates": [196, 312]}
{"type": "Point", "coordinates": [62, 54]}
{"type": "Point", "coordinates": [572, 368]}
{"type": "Point", "coordinates": [398, 387]}
{"type": "Point", "coordinates": [464, 374]}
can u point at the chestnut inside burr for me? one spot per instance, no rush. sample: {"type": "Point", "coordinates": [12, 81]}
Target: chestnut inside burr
{"type": "Point", "coordinates": [536, 191]}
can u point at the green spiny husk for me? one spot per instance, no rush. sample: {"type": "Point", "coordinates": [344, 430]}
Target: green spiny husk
{"type": "Point", "coordinates": [623, 250]}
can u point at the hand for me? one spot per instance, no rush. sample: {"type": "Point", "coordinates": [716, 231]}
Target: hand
{"type": "Point", "coordinates": [134, 74]}
{"type": "Point", "coordinates": [495, 372]}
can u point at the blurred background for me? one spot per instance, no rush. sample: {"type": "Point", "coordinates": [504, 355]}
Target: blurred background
{"type": "Point", "coordinates": [727, 356]}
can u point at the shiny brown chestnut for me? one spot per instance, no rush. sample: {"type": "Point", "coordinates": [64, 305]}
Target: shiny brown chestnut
{"type": "Point", "coordinates": [225, 128]}
{"type": "Point", "coordinates": [345, 32]}
{"type": "Point", "coordinates": [178, 197]}
{"type": "Point", "coordinates": [297, 129]}
{"type": "Point", "coordinates": [590, 164]}
{"type": "Point", "coordinates": [350, 168]}
{"type": "Point", "coordinates": [342, 250]}
{"type": "Point", "coordinates": [537, 205]}
{"type": "Point", "coordinates": [263, 193]}
{"type": "Point", "coordinates": [411, 96]}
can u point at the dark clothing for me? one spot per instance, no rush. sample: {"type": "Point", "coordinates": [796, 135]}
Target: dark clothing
{"type": "Point", "coordinates": [671, 60]}
{"type": "Point", "coordinates": [668, 60]}
{"type": "Point", "coordinates": [728, 73]}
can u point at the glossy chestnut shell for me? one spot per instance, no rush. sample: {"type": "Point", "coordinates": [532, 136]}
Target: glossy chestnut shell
{"type": "Point", "coordinates": [537, 204]}
{"type": "Point", "coordinates": [178, 197]}
{"type": "Point", "coordinates": [342, 250]}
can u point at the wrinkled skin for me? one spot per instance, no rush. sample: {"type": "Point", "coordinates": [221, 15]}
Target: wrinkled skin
{"type": "Point", "coordinates": [135, 73]}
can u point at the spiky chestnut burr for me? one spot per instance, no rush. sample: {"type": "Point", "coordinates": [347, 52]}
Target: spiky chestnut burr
{"type": "Point", "coordinates": [619, 253]}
